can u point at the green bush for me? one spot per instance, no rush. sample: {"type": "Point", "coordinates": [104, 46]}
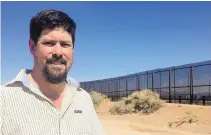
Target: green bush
{"type": "Point", "coordinates": [145, 101]}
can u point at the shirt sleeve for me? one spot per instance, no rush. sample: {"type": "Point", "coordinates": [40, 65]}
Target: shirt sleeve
{"type": "Point", "coordinates": [1, 109]}
{"type": "Point", "coordinates": [97, 128]}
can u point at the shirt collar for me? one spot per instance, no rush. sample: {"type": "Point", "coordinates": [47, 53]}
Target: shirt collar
{"type": "Point", "coordinates": [22, 77]}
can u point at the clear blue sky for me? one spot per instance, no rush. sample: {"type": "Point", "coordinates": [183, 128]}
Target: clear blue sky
{"type": "Point", "coordinates": [114, 38]}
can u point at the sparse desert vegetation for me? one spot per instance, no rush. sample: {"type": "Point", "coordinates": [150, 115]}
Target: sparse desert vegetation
{"type": "Point", "coordinates": [145, 101]}
{"type": "Point", "coordinates": [187, 118]}
{"type": "Point", "coordinates": [97, 98]}
{"type": "Point", "coordinates": [161, 119]}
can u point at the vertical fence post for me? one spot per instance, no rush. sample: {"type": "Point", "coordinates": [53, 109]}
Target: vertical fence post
{"type": "Point", "coordinates": [203, 100]}
{"type": "Point", "coordinates": [138, 86]}
{"type": "Point", "coordinates": [160, 83]}
{"type": "Point", "coordinates": [174, 83]}
{"type": "Point", "coordinates": [89, 86]}
{"type": "Point", "coordinates": [118, 93]}
{"type": "Point", "coordinates": [152, 81]}
{"type": "Point", "coordinates": [106, 85]}
{"type": "Point", "coordinates": [126, 85]}
{"type": "Point", "coordinates": [95, 88]}
{"type": "Point", "coordinates": [169, 85]}
{"type": "Point", "coordinates": [147, 80]}
{"type": "Point", "coordinates": [191, 85]}
{"type": "Point", "coordinates": [98, 86]}
{"type": "Point", "coordinates": [116, 88]}
{"type": "Point", "coordinates": [110, 89]}
{"type": "Point", "coordinates": [101, 86]}
{"type": "Point", "coordinates": [209, 89]}
{"type": "Point", "coordinates": [180, 98]}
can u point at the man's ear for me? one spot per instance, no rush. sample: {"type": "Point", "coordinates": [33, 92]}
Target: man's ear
{"type": "Point", "coordinates": [32, 46]}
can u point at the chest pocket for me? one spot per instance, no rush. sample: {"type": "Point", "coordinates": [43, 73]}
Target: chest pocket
{"type": "Point", "coordinates": [76, 122]}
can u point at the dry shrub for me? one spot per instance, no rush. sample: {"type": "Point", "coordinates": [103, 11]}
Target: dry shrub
{"type": "Point", "coordinates": [188, 118]}
{"type": "Point", "coordinates": [97, 98]}
{"type": "Point", "coordinates": [122, 107]}
{"type": "Point", "coordinates": [145, 101]}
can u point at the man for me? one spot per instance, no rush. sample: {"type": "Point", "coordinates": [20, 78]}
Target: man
{"type": "Point", "coordinates": [44, 100]}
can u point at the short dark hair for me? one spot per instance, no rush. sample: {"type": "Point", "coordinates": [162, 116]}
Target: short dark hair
{"type": "Point", "coordinates": [51, 19]}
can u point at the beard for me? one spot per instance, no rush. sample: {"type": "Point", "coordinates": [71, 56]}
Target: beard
{"type": "Point", "coordinates": [55, 70]}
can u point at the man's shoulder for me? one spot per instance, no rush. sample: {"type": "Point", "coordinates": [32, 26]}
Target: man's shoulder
{"type": "Point", "coordinates": [10, 85]}
{"type": "Point", "coordinates": [79, 90]}
{"type": "Point", "coordinates": [14, 82]}
{"type": "Point", "coordinates": [83, 95]}
{"type": "Point", "coordinates": [3, 89]}
{"type": "Point", "coordinates": [82, 92]}
{"type": "Point", "coordinates": [9, 89]}
{"type": "Point", "coordinates": [5, 86]}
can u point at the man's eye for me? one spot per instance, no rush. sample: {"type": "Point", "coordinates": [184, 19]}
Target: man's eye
{"type": "Point", "coordinates": [66, 45]}
{"type": "Point", "coordinates": [48, 43]}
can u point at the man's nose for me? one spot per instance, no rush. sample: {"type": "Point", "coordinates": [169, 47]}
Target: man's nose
{"type": "Point", "coordinates": [58, 50]}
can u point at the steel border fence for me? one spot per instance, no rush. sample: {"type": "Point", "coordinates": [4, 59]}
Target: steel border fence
{"type": "Point", "coordinates": [118, 87]}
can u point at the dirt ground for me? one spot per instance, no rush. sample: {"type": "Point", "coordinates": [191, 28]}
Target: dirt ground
{"type": "Point", "coordinates": [169, 120]}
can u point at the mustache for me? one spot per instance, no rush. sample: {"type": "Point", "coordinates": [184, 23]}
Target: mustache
{"type": "Point", "coordinates": [56, 58]}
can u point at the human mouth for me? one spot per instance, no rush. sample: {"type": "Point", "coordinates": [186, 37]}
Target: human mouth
{"type": "Point", "coordinates": [56, 63]}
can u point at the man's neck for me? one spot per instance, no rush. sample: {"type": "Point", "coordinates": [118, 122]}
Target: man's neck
{"type": "Point", "coordinates": [52, 91]}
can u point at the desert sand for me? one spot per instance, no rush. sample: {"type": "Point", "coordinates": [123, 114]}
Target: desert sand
{"type": "Point", "coordinates": [159, 122]}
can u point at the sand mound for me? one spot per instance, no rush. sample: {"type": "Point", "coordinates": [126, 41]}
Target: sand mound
{"type": "Point", "coordinates": [104, 106]}
{"type": "Point", "coordinates": [158, 122]}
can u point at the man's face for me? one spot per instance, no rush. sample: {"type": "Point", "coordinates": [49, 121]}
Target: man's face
{"type": "Point", "coordinates": [54, 54]}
